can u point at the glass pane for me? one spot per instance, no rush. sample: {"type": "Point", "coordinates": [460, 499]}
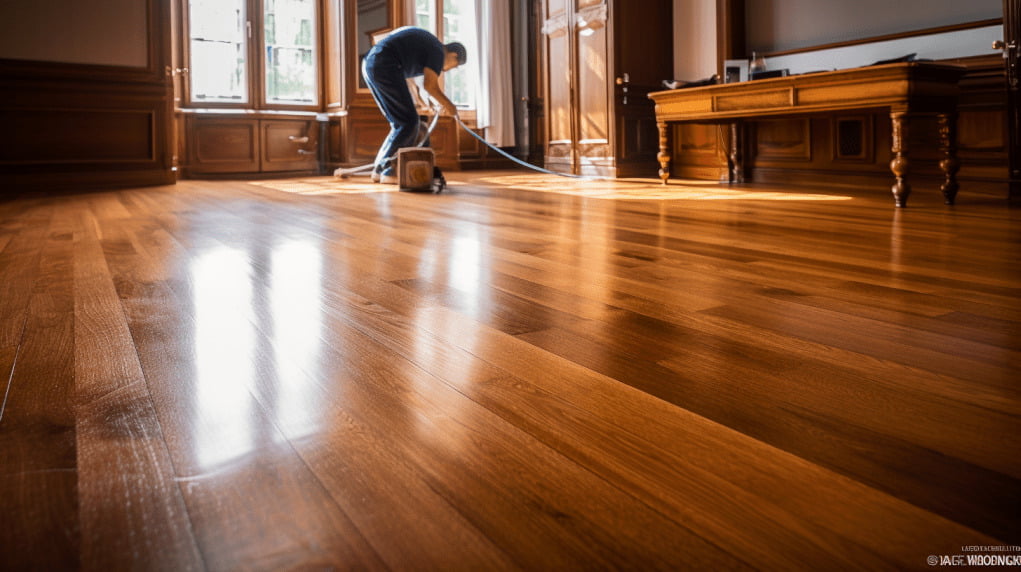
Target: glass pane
{"type": "Point", "coordinates": [290, 51]}
{"type": "Point", "coordinates": [218, 48]}
{"type": "Point", "coordinates": [425, 14]}
{"type": "Point", "coordinates": [459, 26]}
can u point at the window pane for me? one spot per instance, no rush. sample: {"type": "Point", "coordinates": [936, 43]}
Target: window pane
{"type": "Point", "coordinates": [290, 51]}
{"type": "Point", "coordinates": [459, 26]}
{"type": "Point", "coordinates": [218, 48]}
{"type": "Point", "coordinates": [425, 14]}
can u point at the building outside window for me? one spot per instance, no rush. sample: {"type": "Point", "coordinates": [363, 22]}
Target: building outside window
{"type": "Point", "coordinates": [223, 60]}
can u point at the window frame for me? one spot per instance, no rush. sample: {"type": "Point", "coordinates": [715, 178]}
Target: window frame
{"type": "Point", "coordinates": [255, 61]}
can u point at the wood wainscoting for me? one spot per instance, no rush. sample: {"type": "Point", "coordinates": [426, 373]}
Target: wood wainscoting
{"type": "Point", "coordinates": [247, 143]}
{"type": "Point", "coordinates": [64, 131]}
{"type": "Point", "coordinates": [854, 147]}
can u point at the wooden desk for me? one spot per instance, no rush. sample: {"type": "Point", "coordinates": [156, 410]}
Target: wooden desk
{"type": "Point", "coordinates": [905, 89]}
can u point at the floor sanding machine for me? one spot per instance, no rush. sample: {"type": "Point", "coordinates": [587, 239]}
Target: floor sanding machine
{"type": "Point", "coordinates": [416, 166]}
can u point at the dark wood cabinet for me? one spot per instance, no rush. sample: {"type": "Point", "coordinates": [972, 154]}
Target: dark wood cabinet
{"type": "Point", "coordinates": [601, 59]}
{"type": "Point", "coordinates": [224, 143]}
{"type": "Point", "coordinates": [289, 145]}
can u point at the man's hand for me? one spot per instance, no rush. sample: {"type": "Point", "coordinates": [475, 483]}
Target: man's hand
{"type": "Point", "coordinates": [431, 83]}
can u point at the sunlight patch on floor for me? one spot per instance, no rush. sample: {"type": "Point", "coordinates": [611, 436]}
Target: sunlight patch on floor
{"type": "Point", "coordinates": [630, 189]}
{"type": "Point", "coordinates": [620, 189]}
{"type": "Point", "coordinates": [326, 186]}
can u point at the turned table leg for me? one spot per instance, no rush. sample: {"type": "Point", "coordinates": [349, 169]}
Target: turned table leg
{"type": "Point", "coordinates": [664, 151]}
{"type": "Point", "coordinates": [899, 163]}
{"type": "Point", "coordinates": [948, 146]}
{"type": "Point", "coordinates": [736, 156]}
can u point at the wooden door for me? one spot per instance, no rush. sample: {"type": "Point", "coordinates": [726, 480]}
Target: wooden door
{"type": "Point", "coordinates": [591, 36]}
{"type": "Point", "coordinates": [1011, 41]}
{"type": "Point", "coordinates": [642, 58]}
{"type": "Point", "coordinates": [560, 148]}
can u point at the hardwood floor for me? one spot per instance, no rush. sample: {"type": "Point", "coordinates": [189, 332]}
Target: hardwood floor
{"type": "Point", "coordinates": [225, 375]}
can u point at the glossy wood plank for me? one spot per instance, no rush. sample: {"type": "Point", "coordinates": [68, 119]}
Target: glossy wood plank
{"type": "Point", "coordinates": [510, 397]}
{"type": "Point", "coordinates": [221, 478]}
{"type": "Point", "coordinates": [523, 536]}
{"type": "Point", "coordinates": [38, 456]}
{"type": "Point", "coordinates": [221, 375]}
{"type": "Point", "coordinates": [118, 432]}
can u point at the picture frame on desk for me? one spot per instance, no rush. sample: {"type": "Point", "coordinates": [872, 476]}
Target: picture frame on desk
{"type": "Point", "coordinates": [735, 71]}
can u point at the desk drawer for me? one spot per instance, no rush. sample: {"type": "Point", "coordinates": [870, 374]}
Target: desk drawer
{"type": "Point", "coordinates": [757, 100]}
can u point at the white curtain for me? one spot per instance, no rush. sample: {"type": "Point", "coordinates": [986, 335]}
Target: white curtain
{"type": "Point", "coordinates": [496, 97]}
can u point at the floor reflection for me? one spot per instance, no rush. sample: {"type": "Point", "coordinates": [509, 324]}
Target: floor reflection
{"type": "Point", "coordinates": [224, 350]}
{"type": "Point", "coordinates": [465, 265]}
{"type": "Point", "coordinates": [647, 190]}
{"type": "Point", "coordinates": [297, 310]}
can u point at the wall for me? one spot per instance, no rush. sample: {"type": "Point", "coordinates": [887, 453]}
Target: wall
{"type": "Point", "coordinates": [694, 39]}
{"type": "Point", "coordinates": [75, 31]}
{"type": "Point", "coordinates": [777, 25]}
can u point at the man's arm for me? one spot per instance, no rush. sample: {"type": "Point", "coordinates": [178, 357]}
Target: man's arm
{"type": "Point", "coordinates": [431, 83]}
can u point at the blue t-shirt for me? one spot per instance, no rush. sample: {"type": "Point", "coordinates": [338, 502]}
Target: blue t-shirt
{"type": "Point", "coordinates": [415, 49]}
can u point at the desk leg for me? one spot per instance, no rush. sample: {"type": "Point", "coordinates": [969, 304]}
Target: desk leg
{"type": "Point", "coordinates": [949, 165]}
{"type": "Point", "coordinates": [736, 156]}
{"type": "Point", "coordinates": [899, 163]}
{"type": "Point", "coordinates": [664, 151]}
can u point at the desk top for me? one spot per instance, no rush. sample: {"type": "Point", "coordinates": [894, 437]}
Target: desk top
{"type": "Point", "coordinates": [914, 86]}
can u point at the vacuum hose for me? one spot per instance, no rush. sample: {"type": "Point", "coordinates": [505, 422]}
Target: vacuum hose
{"type": "Point", "coordinates": [523, 163]}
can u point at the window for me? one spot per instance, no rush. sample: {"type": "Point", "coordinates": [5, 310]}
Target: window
{"type": "Point", "coordinates": [229, 47]}
{"type": "Point", "coordinates": [290, 51]}
{"type": "Point", "coordinates": [218, 51]}
{"type": "Point", "coordinates": [458, 24]}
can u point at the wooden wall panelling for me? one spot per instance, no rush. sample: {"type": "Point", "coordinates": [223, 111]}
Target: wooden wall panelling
{"type": "Point", "coordinates": [217, 144]}
{"type": "Point", "coordinates": [288, 145]}
{"type": "Point", "coordinates": [786, 140]}
{"type": "Point", "coordinates": [70, 125]}
{"type": "Point", "coordinates": [982, 131]}
{"type": "Point", "coordinates": [699, 151]}
{"type": "Point", "coordinates": [221, 145]}
{"type": "Point", "coordinates": [336, 151]}
{"type": "Point", "coordinates": [84, 134]}
{"type": "Point", "coordinates": [471, 153]}
{"type": "Point", "coordinates": [365, 131]}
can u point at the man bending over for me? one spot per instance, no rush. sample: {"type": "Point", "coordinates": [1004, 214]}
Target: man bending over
{"type": "Point", "coordinates": [406, 53]}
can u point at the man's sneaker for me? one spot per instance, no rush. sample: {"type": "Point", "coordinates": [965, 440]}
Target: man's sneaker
{"type": "Point", "coordinates": [388, 179]}
{"type": "Point", "coordinates": [375, 176]}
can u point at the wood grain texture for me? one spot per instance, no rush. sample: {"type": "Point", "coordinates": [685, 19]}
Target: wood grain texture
{"type": "Point", "coordinates": [221, 375]}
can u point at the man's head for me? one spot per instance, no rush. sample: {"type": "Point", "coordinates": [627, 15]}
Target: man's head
{"type": "Point", "coordinates": [456, 55]}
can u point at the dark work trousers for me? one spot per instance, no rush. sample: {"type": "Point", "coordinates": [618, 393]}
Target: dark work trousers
{"type": "Point", "coordinates": [385, 78]}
